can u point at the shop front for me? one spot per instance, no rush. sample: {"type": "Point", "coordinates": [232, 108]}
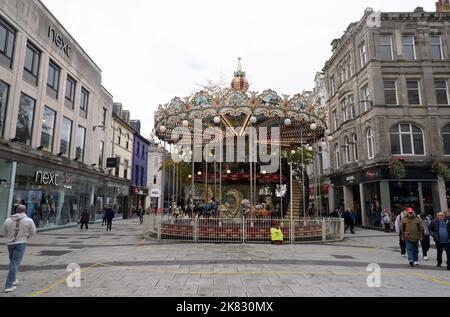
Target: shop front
{"type": "Point", "coordinates": [371, 190]}
{"type": "Point", "coordinates": [55, 197]}
{"type": "Point", "coordinates": [138, 197]}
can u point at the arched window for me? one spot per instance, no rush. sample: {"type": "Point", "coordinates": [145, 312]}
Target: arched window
{"type": "Point", "coordinates": [355, 147]}
{"type": "Point", "coordinates": [119, 136]}
{"type": "Point", "coordinates": [446, 139]}
{"type": "Point", "coordinates": [337, 154]}
{"type": "Point", "coordinates": [407, 139]}
{"type": "Point", "coordinates": [370, 144]}
{"type": "Point", "coordinates": [347, 150]}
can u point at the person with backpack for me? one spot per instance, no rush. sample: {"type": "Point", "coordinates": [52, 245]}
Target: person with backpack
{"type": "Point", "coordinates": [411, 229]}
{"type": "Point", "coordinates": [402, 243]}
{"type": "Point", "coordinates": [17, 230]}
{"type": "Point", "coordinates": [425, 243]}
{"type": "Point", "coordinates": [387, 219]}
{"type": "Point", "coordinates": [440, 229]}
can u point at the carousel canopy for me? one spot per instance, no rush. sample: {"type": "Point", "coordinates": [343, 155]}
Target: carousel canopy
{"type": "Point", "coordinates": [299, 118]}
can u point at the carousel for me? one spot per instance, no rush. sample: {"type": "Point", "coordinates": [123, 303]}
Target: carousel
{"type": "Point", "coordinates": [290, 130]}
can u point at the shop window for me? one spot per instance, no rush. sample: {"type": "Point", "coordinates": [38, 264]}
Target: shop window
{"type": "Point", "coordinates": [25, 119]}
{"type": "Point", "coordinates": [4, 92]}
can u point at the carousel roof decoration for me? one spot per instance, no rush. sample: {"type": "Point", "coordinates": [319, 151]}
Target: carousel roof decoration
{"type": "Point", "coordinates": [236, 105]}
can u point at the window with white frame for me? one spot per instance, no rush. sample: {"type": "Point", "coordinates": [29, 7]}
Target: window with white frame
{"type": "Point", "coordinates": [355, 147]}
{"type": "Point", "coordinates": [446, 139]}
{"type": "Point", "coordinates": [409, 47]}
{"type": "Point", "coordinates": [351, 107]}
{"type": "Point", "coordinates": [370, 143]}
{"type": "Point", "coordinates": [386, 47]}
{"type": "Point", "coordinates": [436, 47]}
{"type": "Point", "coordinates": [407, 139]}
{"type": "Point", "coordinates": [344, 110]}
{"type": "Point", "coordinates": [413, 87]}
{"type": "Point", "coordinates": [347, 150]}
{"type": "Point", "coordinates": [366, 97]}
{"type": "Point", "coordinates": [335, 120]}
{"type": "Point", "coordinates": [333, 84]}
{"type": "Point", "coordinates": [441, 92]}
{"type": "Point", "coordinates": [390, 92]}
{"type": "Point", "coordinates": [363, 53]}
{"type": "Point", "coordinates": [337, 154]}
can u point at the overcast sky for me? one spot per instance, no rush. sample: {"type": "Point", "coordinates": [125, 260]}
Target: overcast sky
{"type": "Point", "coordinates": [151, 51]}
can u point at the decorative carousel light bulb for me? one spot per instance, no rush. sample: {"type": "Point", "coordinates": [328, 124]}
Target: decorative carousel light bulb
{"type": "Point", "coordinates": [264, 172]}
{"type": "Point", "coordinates": [253, 120]}
{"type": "Point", "coordinates": [190, 176]}
{"type": "Point", "coordinates": [327, 132]}
{"type": "Point", "coordinates": [313, 126]}
{"type": "Point", "coordinates": [185, 123]}
{"type": "Point", "coordinates": [293, 152]}
{"type": "Point", "coordinates": [287, 121]}
{"type": "Point", "coordinates": [199, 173]}
{"type": "Point", "coordinates": [228, 172]}
{"type": "Point", "coordinates": [216, 120]}
{"type": "Point", "coordinates": [330, 138]}
{"type": "Point", "coordinates": [310, 149]}
{"type": "Point", "coordinates": [163, 129]}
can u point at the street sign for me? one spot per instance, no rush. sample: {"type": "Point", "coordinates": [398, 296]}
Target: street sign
{"type": "Point", "coordinates": [112, 163]}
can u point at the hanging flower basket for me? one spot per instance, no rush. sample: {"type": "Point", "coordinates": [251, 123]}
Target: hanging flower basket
{"type": "Point", "coordinates": [441, 169]}
{"type": "Point", "coordinates": [397, 170]}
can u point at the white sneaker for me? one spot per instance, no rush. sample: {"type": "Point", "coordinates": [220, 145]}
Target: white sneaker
{"type": "Point", "coordinates": [16, 283]}
{"type": "Point", "coordinates": [10, 290]}
{"type": "Point", "coordinates": [404, 255]}
{"type": "Point", "coordinates": [425, 258]}
{"type": "Point", "coordinates": [416, 263]}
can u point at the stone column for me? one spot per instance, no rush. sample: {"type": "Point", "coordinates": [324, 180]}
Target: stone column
{"type": "Point", "coordinates": [348, 197]}
{"type": "Point", "coordinates": [442, 192]}
{"type": "Point", "coordinates": [421, 203]}
{"type": "Point", "coordinates": [362, 196]}
{"type": "Point", "coordinates": [385, 195]}
{"type": "Point", "coordinates": [331, 200]}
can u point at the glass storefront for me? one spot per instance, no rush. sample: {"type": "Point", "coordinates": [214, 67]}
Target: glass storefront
{"type": "Point", "coordinates": [57, 198]}
{"type": "Point", "coordinates": [406, 194]}
{"type": "Point", "coordinates": [7, 169]}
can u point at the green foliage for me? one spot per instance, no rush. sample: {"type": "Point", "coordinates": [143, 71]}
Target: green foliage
{"type": "Point", "coordinates": [441, 169]}
{"type": "Point", "coordinates": [295, 156]}
{"type": "Point", "coordinates": [397, 170]}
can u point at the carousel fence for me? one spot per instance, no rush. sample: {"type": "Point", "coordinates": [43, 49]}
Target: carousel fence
{"type": "Point", "coordinates": [245, 230]}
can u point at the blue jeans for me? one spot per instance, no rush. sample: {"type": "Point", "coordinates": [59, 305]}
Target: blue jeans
{"type": "Point", "coordinates": [16, 253]}
{"type": "Point", "coordinates": [412, 248]}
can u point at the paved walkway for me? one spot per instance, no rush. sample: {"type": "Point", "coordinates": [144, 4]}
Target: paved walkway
{"type": "Point", "coordinates": [121, 263]}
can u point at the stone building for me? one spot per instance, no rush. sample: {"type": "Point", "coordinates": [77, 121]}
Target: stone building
{"type": "Point", "coordinates": [387, 83]}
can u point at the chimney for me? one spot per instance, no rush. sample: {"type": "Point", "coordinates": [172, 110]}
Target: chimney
{"type": "Point", "coordinates": [117, 109]}
{"type": "Point", "coordinates": [443, 6]}
{"type": "Point", "coordinates": [126, 116]}
{"type": "Point", "coordinates": [136, 124]}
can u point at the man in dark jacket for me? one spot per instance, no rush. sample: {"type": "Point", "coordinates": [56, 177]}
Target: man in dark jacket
{"type": "Point", "coordinates": [84, 219]}
{"type": "Point", "coordinates": [109, 218]}
{"type": "Point", "coordinates": [440, 229]}
{"type": "Point", "coordinates": [349, 219]}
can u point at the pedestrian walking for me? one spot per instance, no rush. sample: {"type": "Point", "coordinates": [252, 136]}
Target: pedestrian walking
{"type": "Point", "coordinates": [425, 243]}
{"type": "Point", "coordinates": [140, 212]}
{"type": "Point", "coordinates": [17, 230]}
{"type": "Point", "coordinates": [104, 216]}
{"type": "Point", "coordinates": [402, 243]}
{"type": "Point", "coordinates": [411, 229]}
{"type": "Point", "coordinates": [109, 218]}
{"type": "Point", "coordinates": [84, 220]}
{"type": "Point", "coordinates": [349, 220]}
{"type": "Point", "coordinates": [440, 229]}
{"type": "Point", "coordinates": [387, 219]}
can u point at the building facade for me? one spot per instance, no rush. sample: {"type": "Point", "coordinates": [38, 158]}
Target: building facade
{"type": "Point", "coordinates": [388, 99]}
{"type": "Point", "coordinates": [55, 120]}
{"type": "Point", "coordinates": [155, 177]}
{"type": "Point", "coordinates": [139, 184]}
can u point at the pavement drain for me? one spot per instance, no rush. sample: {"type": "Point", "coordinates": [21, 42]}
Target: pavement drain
{"type": "Point", "coordinates": [342, 257]}
{"type": "Point", "coordinates": [53, 253]}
